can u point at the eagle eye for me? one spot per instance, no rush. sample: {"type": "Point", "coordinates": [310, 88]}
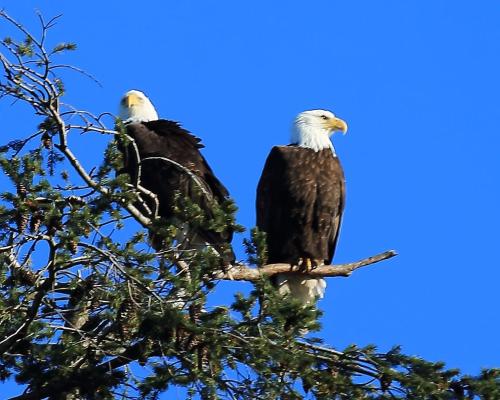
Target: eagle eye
{"type": "Point", "coordinates": [324, 117]}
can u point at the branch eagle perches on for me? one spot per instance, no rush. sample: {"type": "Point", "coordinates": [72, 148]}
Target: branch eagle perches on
{"type": "Point", "coordinates": [241, 272]}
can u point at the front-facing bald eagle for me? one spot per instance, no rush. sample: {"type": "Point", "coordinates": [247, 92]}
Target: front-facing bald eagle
{"type": "Point", "coordinates": [300, 200]}
{"type": "Point", "coordinates": [166, 160]}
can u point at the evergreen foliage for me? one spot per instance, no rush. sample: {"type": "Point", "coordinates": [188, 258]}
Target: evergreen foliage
{"type": "Point", "coordinates": [89, 310]}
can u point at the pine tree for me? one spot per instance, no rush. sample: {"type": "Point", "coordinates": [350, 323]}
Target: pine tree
{"type": "Point", "coordinates": [88, 310]}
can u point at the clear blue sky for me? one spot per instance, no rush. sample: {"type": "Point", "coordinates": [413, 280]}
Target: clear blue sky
{"type": "Point", "coordinates": [418, 83]}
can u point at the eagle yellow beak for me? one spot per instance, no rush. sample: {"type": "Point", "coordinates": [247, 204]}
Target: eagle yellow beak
{"type": "Point", "coordinates": [132, 100]}
{"type": "Point", "coordinates": [337, 124]}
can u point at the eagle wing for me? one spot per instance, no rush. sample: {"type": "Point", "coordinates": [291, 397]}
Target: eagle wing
{"type": "Point", "coordinates": [181, 146]}
{"type": "Point", "coordinates": [167, 139]}
{"type": "Point", "coordinates": [338, 212]}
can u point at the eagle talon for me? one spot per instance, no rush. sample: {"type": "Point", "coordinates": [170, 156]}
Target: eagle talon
{"type": "Point", "coordinates": [309, 265]}
{"type": "Point", "coordinates": [305, 265]}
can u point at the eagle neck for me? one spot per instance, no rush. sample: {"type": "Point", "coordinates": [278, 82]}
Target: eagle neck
{"type": "Point", "coordinates": [311, 138]}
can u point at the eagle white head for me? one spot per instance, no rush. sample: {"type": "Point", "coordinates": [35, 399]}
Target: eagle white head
{"type": "Point", "coordinates": [313, 128]}
{"type": "Point", "coordinates": [136, 107]}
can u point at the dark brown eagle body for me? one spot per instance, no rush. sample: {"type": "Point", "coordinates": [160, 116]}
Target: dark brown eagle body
{"type": "Point", "coordinates": [300, 200]}
{"type": "Point", "coordinates": [167, 139]}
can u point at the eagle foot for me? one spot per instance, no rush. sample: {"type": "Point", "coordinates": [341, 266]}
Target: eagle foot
{"type": "Point", "coordinates": [307, 264]}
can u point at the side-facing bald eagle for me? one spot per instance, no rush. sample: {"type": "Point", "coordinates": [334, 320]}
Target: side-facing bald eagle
{"type": "Point", "coordinates": [185, 171]}
{"type": "Point", "coordinates": [300, 200]}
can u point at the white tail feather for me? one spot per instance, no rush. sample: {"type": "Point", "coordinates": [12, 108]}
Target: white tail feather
{"type": "Point", "coordinates": [307, 290]}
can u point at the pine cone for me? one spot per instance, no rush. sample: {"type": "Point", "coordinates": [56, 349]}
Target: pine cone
{"type": "Point", "coordinates": [73, 246]}
{"type": "Point", "coordinates": [86, 231]}
{"type": "Point", "coordinates": [35, 221]}
{"type": "Point", "coordinates": [22, 221]}
{"type": "Point", "coordinates": [54, 224]}
{"type": "Point", "coordinates": [21, 190]}
{"type": "Point", "coordinates": [46, 141]}
{"type": "Point", "coordinates": [127, 318]}
{"type": "Point", "coordinates": [26, 277]}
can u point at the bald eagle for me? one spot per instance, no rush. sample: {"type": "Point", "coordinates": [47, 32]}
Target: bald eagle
{"type": "Point", "coordinates": [166, 160]}
{"type": "Point", "coordinates": [300, 200]}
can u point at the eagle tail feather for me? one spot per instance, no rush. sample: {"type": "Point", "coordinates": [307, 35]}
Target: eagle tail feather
{"type": "Point", "coordinates": [306, 290]}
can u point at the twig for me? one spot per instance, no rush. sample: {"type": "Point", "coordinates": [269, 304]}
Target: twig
{"type": "Point", "coordinates": [137, 182]}
{"type": "Point", "coordinates": [79, 70]}
{"type": "Point", "coordinates": [90, 128]}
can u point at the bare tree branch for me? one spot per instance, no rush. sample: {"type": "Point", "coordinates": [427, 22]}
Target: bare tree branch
{"type": "Point", "coordinates": [241, 272]}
